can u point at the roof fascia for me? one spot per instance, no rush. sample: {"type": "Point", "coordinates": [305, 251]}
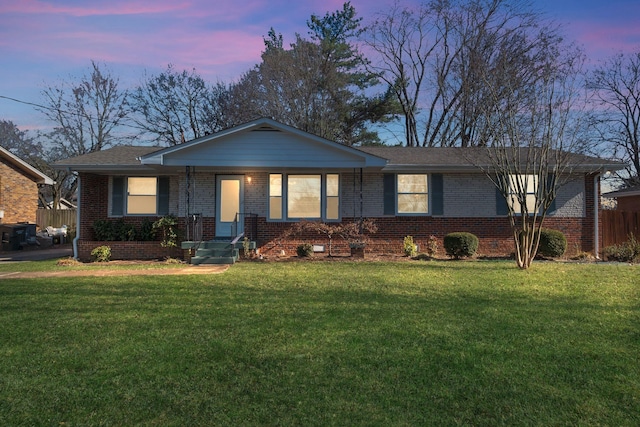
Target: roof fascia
{"type": "Point", "coordinates": [26, 167]}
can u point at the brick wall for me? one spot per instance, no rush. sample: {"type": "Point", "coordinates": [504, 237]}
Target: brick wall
{"type": "Point", "coordinates": [494, 234]}
{"type": "Point", "coordinates": [18, 195]}
{"type": "Point", "coordinates": [128, 250]}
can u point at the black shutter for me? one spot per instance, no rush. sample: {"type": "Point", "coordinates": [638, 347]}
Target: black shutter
{"type": "Point", "coordinates": [163, 195]}
{"type": "Point", "coordinates": [501, 203]}
{"type": "Point", "coordinates": [389, 193]}
{"type": "Point", "coordinates": [117, 196]}
{"type": "Point", "coordinates": [437, 200]}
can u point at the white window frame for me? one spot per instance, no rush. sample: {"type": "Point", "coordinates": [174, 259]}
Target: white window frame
{"type": "Point", "coordinates": [283, 199]}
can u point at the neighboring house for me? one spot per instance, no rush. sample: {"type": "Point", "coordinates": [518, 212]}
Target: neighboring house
{"type": "Point", "coordinates": [63, 204]}
{"type": "Point", "coordinates": [627, 199]}
{"type": "Point", "coordinates": [260, 177]}
{"type": "Point", "coordinates": [19, 189]}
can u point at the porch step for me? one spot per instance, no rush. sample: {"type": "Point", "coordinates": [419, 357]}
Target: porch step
{"type": "Point", "coordinates": [213, 252]}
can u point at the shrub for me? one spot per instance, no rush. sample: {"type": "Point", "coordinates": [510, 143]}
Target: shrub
{"type": "Point", "coordinates": [123, 231]}
{"type": "Point", "coordinates": [553, 244]}
{"type": "Point", "coordinates": [410, 248]}
{"type": "Point", "coordinates": [460, 245]}
{"type": "Point", "coordinates": [146, 233]}
{"type": "Point", "coordinates": [103, 230]}
{"type": "Point", "coordinates": [432, 246]}
{"type": "Point", "coordinates": [101, 254]}
{"type": "Point", "coordinates": [628, 251]}
{"type": "Point", "coordinates": [168, 226]}
{"type": "Point", "coordinates": [304, 250]}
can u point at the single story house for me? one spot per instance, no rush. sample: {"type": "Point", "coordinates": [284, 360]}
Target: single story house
{"type": "Point", "coordinates": [257, 179]}
{"type": "Point", "coordinates": [19, 189]}
{"type": "Point", "coordinates": [627, 199]}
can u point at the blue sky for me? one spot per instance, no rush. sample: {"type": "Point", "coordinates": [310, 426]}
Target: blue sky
{"type": "Point", "coordinates": [44, 41]}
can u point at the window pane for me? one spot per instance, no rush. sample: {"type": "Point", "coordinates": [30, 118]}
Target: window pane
{"type": "Point", "coordinates": [141, 196]}
{"type": "Point", "coordinates": [275, 185]}
{"type": "Point", "coordinates": [275, 207]}
{"type": "Point", "coordinates": [333, 185]}
{"type": "Point", "coordinates": [141, 205]}
{"type": "Point", "coordinates": [412, 203]}
{"type": "Point", "coordinates": [524, 183]}
{"type": "Point", "coordinates": [144, 186]}
{"type": "Point", "coordinates": [333, 208]}
{"type": "Point", "coordinates": [303, 193]}
{"type": "Point", "coordinates": [412, 183]}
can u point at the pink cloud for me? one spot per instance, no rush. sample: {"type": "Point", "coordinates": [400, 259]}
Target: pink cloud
{"type": "Point", "coordinates": [90, 9]}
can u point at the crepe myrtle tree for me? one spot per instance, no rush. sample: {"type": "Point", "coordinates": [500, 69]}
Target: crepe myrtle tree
{"type": "Point", "coordinates": [535, 141]}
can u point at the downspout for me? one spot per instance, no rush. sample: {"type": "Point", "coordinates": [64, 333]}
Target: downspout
{"type": "Point", "coordinates": [78, 204]}
{"type": "Point", "coordinates": [596, 215]}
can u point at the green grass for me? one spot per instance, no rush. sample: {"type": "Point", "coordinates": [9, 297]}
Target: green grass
{"type": "Point", "coordinates": [321, 343]}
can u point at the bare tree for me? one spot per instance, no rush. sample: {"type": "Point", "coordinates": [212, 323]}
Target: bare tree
{"type": "Point", "coordinates": [533, 144]}
{"type": "Point", "coordinates": [176, 106]}
{"type": "Point", "coordinates": [87, 115]}
{"type": "Point", "coordinates": [436, 56]}
{"type": "Point", "coordinates": [616, 115]}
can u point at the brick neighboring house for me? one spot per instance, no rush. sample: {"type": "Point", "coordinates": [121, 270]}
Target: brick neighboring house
{"type": "Point", "coordinates": [19, 189]}
{"type": "Point", "coordinates": [260, 177]}
{"type": "Point", "coordinates": [627, 200]}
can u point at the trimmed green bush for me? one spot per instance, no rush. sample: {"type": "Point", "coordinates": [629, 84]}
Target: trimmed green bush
{"type": "Point", "coordinates": [410, 248]}
{"type": "Point", "coordinates": [304, 250]}
{"type": "Point", "coordinates": [101, 254]}
{"type": "Point", "coordinates": [460, 245]}
{"type": "Point", "coordinates": [553, 244]}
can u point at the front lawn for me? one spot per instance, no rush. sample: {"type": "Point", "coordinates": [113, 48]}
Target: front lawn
{"type": "Point", "coordinates": [326, 343]}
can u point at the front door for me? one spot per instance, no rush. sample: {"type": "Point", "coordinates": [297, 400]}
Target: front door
{"type": "Point", "coordinates": [229, 205]}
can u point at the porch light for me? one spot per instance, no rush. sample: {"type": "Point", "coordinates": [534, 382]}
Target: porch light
{"type": "Point", "coordinates": [249, 179]}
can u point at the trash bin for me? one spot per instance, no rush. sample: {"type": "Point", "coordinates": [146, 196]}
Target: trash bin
{"type": "Point", "coordinates": [15, 236]}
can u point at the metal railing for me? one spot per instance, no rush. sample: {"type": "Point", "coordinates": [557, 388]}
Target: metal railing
{"type": "Point", "coordinates": [250, 222]}
{"type": "Point", "coordinates": [194, 227]}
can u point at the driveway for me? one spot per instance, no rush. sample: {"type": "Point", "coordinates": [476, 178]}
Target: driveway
{"type": "Point", "coordinates": [51, 252]}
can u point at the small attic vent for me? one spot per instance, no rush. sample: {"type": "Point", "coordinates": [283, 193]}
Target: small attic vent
{"type": "Point", "coordinates": [265, 129]}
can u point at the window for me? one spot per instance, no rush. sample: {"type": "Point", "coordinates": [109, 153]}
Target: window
{"type": "Point", "coordinates": [300, 196]}
{"type": "Point", "coordinates": [139, 195]}
{"type": "Point", "coordinates": [333, 197]}
{"type": "Point", "coordinates": [275, 196]}
{"type": "Point", "coordinates": [523, 187]}
{"type": "Point", "coordinates": [413, 194]}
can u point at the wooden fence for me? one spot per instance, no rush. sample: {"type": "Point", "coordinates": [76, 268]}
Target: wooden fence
{"type": "Point", "coordinates": [56, 218]}
{"type": "Point", "coordinates": [618, 225]}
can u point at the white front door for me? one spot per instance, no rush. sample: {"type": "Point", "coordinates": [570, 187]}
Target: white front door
{"type": "Point", "coordinates": [229, 205]}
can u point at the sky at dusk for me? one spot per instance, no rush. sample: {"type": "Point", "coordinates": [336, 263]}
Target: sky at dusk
{"type": "Point", "coordinates": [45, 41]}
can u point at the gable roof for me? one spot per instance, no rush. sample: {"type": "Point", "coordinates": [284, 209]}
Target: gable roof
{"type": "Point", "coordinates": [263, 143]}
{"type": "Point", "coordinates": [29, 171]}
{"type": "Point", "coordinates": [267, 144]}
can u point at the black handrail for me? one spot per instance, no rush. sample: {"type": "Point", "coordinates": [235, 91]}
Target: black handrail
{"type": "Point", "coordinates": [250, 232]}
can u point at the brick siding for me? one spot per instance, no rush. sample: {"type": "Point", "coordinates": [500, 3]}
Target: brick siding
{"type": "Point", "coordinates": [18, 195]}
